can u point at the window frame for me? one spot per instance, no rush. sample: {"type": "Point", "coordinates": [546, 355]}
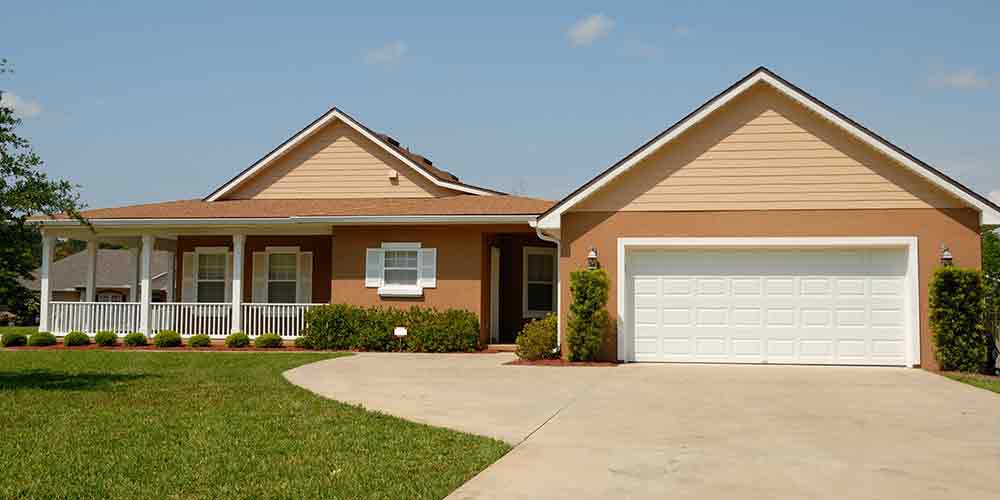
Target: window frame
{"type": "Point", "coordinates": [535, 250]}
{"type": "Point", "coordinates": [110, 293]}
{"type": "Point", "coordinates": [387, 290]}
{"type": "Point", "coordinates": [199, 251]}
{"type": "Point", "coordinates": [294, 252]}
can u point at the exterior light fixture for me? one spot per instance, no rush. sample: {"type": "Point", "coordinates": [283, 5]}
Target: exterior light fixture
{"type": "Point", "coordinates": [592, 259]}
{"type": "Point", "coordinates": [946, 257]}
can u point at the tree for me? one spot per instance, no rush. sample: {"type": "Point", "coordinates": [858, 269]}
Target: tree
{"type": "Point", "coordinates": [24, 191]}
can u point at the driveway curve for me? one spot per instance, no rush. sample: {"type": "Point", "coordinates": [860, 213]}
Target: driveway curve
{"type": "Point", "coordinates": [690, 431]}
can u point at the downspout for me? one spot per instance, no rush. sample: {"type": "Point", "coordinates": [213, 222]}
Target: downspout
{"type": "Point", "coordinates": [541, 235]}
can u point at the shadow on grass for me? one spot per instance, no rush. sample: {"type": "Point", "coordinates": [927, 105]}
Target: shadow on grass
{"type": "Point", "coordinates": [63, 381]}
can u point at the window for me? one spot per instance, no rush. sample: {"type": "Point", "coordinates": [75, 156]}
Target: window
{"type": "Point", "coordinates": [282, 272]}
{"type": "Point", "coordinates": [401, 268]}
{"type": "Point", "coordinates": [539, 281]}
{"type": "Point", "coordinates": [211, 277]}
{"type": "Point", "coordinates": [109, 297]}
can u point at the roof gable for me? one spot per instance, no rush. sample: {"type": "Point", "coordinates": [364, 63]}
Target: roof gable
{"type": "Point", "coordinates": [990, 212]}
{"type": "Point", "coordinates": [419, 165]}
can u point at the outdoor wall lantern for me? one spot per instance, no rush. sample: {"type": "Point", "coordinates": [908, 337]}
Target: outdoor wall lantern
{"type": "Point", "coordinates": [946, 257]}
{"type": "Point", "coordinates": [592, 259]}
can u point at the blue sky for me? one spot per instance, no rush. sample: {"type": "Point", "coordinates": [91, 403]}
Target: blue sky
{"type": "Point", "coordinates": [140, 103]}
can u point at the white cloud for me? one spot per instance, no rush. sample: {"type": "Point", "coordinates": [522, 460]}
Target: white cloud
{"type": "Point", "coordinates": [962, 79]}
{"type": "Point", "coordinates": [386, 54]}
{"type": "Point", "coordinates": [25, 108]}
{"type": "Point", "coordinates": [590, 29]}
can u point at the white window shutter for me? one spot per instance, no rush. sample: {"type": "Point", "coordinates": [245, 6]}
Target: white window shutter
{"type": "Point", "coordinates": [259, 277]}
{"type": "Point", "coordinates": [427, 261]}
{"type": "Point", "coordinates": [229, 277]}
{"type": "Point", "coordinates": [189, 278]}
{"type": "Point", "coordinates": [303, 293]}
{"type": "Point", "coordinates": [374, 262]}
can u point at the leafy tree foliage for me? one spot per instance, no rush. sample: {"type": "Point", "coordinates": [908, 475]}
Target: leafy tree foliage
{"type": "Point", "coordinates": [956, 312]}
{"type": "Point", "coordinates": [588, 314]}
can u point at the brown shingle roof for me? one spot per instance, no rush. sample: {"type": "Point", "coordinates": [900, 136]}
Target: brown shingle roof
{"type": "Point", "coordinates": [198, 209]}
{"type": "Point", "coordinates": [115, 269]}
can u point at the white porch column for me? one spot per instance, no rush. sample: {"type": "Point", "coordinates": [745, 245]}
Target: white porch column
{"type": "Point", "coordinates": [239, 242]}
{"type": "Point", "coordinates": [92, 246]}
{"type": "Point", "coordinates": [48, 242]}
{"type": "Point", "coordinates": [146, 287]}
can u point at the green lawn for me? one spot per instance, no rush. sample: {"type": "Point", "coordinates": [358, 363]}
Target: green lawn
{"type": "Point", "coordinates": [97, 424]}
{"type": "Point", "coordinates": [980, 381]}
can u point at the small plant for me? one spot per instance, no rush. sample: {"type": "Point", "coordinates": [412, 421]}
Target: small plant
{"type": "Point", "coordinates": [76, 339]}
{"type": "Point", "coordinates": [13, 339]}
{"type": "Point", "coordinates": [167, 338]}
{"type": "Point", "coordinates": [957, 303]}
{"type": "Point", "coordinates": [106, 339]}
{"type": "Point", "coordinates": [135, 339]}
{"type": "Point", "coordinates": [302, 342]}
{"type": "Point", "coordinates": [538, 339]}
{"type": "Point", "coordinates": [267, 341]}
{"type": "Point", "coordinates": [199, 341]}
{"type": "Point", "coordinates": [238, 339]}
{"type": "Point", "coordinates": [588, 314]}
{"type": "Point", "coordinates": [41, 339]}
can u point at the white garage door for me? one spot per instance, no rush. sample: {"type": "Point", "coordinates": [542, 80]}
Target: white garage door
{"type": "Point", "coordinates": [843, 306]}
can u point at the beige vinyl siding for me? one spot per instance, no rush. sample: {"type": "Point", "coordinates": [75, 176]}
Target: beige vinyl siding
{"type": "Point", "coordinates": [763, 151]}
{"type": "Point", "coordinates": [337, 162]}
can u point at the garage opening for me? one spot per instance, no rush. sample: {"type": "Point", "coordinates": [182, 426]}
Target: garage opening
{"type": "Point", "coordinates": [802, 305]}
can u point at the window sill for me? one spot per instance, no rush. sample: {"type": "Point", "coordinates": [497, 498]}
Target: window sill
{"type": "Point", "coordinates": [401, 291]}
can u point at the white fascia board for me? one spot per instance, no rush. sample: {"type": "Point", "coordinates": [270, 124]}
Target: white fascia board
{"type": "Point", "coordinates": [988, 215]}
{"type": "Point", "coordinates": [335, 114]}
{"type": "Point", "coordinates": [319, 219]}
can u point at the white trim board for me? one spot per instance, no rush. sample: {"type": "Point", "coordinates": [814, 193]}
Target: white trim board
{"type": "Point", "coordinates": [912, 280]}
{"type": "Point", "coordinates": [988, 214]}
{"type": "Point", "coordinates": [318, 124]}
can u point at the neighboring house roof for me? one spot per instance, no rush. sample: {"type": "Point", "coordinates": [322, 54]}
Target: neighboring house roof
{"type": "Point", "coordinates": [990, 212]}
{"type": "Point", "coordinates": [458, 205]}
{"type": "Point", "coordinates": [115, 269]}
{"type": "Point", "coordinates": [417, 162]}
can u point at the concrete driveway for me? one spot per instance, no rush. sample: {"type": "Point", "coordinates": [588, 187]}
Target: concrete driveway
{"type": "Point", "coordinates": [691, 431]}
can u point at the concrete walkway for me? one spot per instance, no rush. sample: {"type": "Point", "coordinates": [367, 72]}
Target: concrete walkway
{"type": "Point", "coordinates": [691, 431]}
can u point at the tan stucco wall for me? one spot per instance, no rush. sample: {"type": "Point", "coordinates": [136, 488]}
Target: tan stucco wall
{"type": "Point", "coordinates": [958, 229]}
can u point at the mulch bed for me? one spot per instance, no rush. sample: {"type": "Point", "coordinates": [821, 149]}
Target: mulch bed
{"type": "Point", "coordinates": [151, 347]}
{"type": "Point", "coordinates": [559, 362]}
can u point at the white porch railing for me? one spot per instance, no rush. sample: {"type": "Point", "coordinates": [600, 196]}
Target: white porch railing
{"type": "Point", "coordinates": [187, 318]}
{"type": "Point", "coordinates": [287, 320]}
{"type": "Point", "coordinates": [93, 317]}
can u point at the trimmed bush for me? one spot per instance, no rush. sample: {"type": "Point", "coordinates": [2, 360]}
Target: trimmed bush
{"type": "Point", "coordinates": [267, 341]}
{"type": "Point", "coordinates": [538, 339]}
{"type": "Point", "coordinates": [41, 339]}
{"type": "Point", "coordinates": [135, 339]}
{"type": "Point", "coordinates": [76, 339]}
{"type": "Point", "coordinates": [588, 314]}
{"type": "Point", "coordinates": [957, 306]}
{"type": "Point", "coordinates": [375, 329]}
{"type": "Point", "coordinates": [167, 338]}
{"type": "Point", "coordinates": [199, 341]}
{"type": "Point", "coordinates": [454, 330]}
{"type": "Point", "coordinates": [302, 343]}
{"type": "Point", "coordinates": [106, 339]}
{"type": "Point", "coordinates": [13, 339]}
{"type": "Point", "coordinates": [333, 326]}
{"type": "Point", "coordinates": [238, 339]}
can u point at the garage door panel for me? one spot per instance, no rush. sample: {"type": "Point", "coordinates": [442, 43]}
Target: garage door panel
{"type": "Point", "coordinates": [782, 306]}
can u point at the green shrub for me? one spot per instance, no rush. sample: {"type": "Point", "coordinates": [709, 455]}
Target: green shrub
{"type": "Point", "coordinates": [454, 330]}
{"type": "Point", "coordinates": [41, 339]}
{"type": "Point", "coordinates": [238, 339]}
{"type": "Point", "coordinates": [199, 341]}
{"type": "Point", "coordinates": [167, 338]}
{"type": "Point", "coordinates": [135, 339]}
{"type": "Point", "coordinates": [13, 339]}
{"type": "Point", "coordinates": [333, 326]}
{"type": "Point", "coordinates": [75, 339]}
{"type": "Point", "coordinates": [375, 329]}
{"type": "Point", "coordinates": [957, 306]}
{"type": "Point", "coordinates": [588, 314]}
{"type": "Point", "coordinates": [302, 343]}
{"type": "Point", "coordinates": [267, 341]}
{"type": "Point", "coordinates": [538, 340]}
{"type": "Point", "coordinates": [106, 339]}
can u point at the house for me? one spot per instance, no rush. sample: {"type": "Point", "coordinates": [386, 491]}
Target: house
{"type": "Point", "coordinates": [764, 227]}
{"type": "Point", "coordinates": [116, 273]}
